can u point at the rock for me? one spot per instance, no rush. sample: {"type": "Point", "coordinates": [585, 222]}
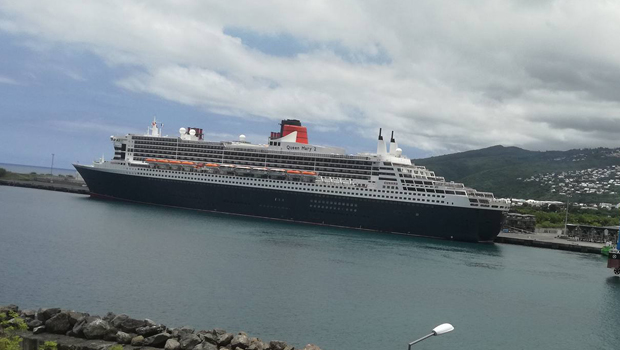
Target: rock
{"type": "Point", "coordinates": [29, 314]}
{"type": "Point", "coordinates": [209, 336]}
{"type": "Point", "coordinates": [225, 339]}
{"type": "Point", "coordinates": [46, 314]}
{"type": "Point", "coordinates": [78, 328]}
{"type": "Point", "coordinates": [289, 348]}
{"type": "Point", "coordinates": [149, 322]}
{"type": "Point", "coordinates": [110, 335]}
{"type": "Point", "coordinates": [123, 338]}
{"type": "Point", "coordinates": [178, 332]}
{"type": "Point", "coordinates": [189, 341]}
{"type": "Point", "coordinates": [109, 317]}
{"type": "Point", "coordinates": [137, 341]}
{"type": "Point", "coordinates": [205, 346]}
{"type": "Point", "coordinates": [59, 323]}
{"type": "Point", "coordinates": [70, 333]}
{"type": "Point", "coordinates": [74, 317]}
{"type": "Point", "coordinates": [172, 344]}
{"type": "Point", "coordinates": [96, 329]}
{"type": "Point", "coordinates": [311, 347]}
{"type": "Point", "coordinates": [157, 340]}
{"type": "Point", "coordinates": [148, 331]}
{"type": "Point", "coordinates": [126, 323]}
{"type": "Point", "coordinates": [240, 341]}
{"type": "Point", "coordinates": [32, 324]}
{"type": "Point", "coordinates": [7, 308]}
{"type": "Point", "coordinates": [38, 330]}
{"type": "Point", "coordinates": [218, 331]}
{"type": "Point", "coordinates": [256, 344]}
{"type": "Point", "coordinates": [277, 345]}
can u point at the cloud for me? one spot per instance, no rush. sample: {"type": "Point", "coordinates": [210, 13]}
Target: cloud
{"type": "Point", "coordinates": [448, 76]}
{"type": "Point", "coordinates": [9, 81]}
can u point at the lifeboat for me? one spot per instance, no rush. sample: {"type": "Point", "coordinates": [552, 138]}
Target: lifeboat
{"type": "Point", "coordinates": [243, 170]}
{"type": "Point", "coordinates": [174, 161]}
{"type": "Point", "coordinates": [212, 165]}
{"type": "Point", "coordinates": [187, 163]}
{"type": "Point", "coordinates": [309, 173]}
{"type": "Point", "coordinates": [293, 172]}
{"type": "Point", "coordinates": [162, 163]}
{"type": "Point", "coordinates": [227, 169]}
{"type": "Point", "coordinates": [260, 172]}
{"type": "Point", "coordinates": [277, 173]}
{"type": "Point", "coordinates": [150, 160]}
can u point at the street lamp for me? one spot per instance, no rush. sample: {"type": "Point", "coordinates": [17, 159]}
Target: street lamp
{"type": "Point", "coordinates": [566, 217]}
{"type": "Point", "coordinates": [439, 330]}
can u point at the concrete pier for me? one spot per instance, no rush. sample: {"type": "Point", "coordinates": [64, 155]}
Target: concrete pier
{"type": "Point", "coordinates": [62, 187]}
{"type": "Point", "coordinates": [548, 240]}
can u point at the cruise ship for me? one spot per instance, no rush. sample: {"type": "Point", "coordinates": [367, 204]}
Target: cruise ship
{"type": "Point", "coordinates": [290, 179]}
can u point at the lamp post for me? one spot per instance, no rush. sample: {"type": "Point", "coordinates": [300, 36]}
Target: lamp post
{"type": "Point", "coordinates": [439, 330]}
{"type": "Point", "coordinates": [566, 217]}
{"type": "Point", "coordinates": [52, 166]}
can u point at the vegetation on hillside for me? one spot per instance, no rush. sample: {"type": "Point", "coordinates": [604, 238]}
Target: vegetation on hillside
{"type": "Point", "coordinates": [10, 322]}
{"type": "Point", "coordinates": [553, 217]}
{"type": "Point", "coordinates": [2, 172]}
{"type": "Point", "coordinates": [499, 169]}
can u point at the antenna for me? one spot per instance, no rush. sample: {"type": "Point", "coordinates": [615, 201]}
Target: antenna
{"type": "Point", "coordinates": [392, 138]}
{"type": "Point", "coordinates": [380, 137]}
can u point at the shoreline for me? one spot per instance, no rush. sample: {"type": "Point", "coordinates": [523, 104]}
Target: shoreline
{"type": "Point", "coordinates": [50, 186]}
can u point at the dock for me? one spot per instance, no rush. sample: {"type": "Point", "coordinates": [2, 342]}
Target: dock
{"type": "Point", "coordinates": [549, 241]}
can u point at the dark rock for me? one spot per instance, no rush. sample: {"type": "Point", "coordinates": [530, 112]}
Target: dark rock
{"type": "Point", "coordinates": [46, 314]}
{"type": "Point", "coordinates": [189, 341]}
{"type": "Point", "coordinates": [225, 339]}
{"type": "Point", "coordinates": [78, 328]}
{"type": "Point", "coordinates": [277, 345]}
{"type": "Point", "coordinates": [148, 331]}
{"type": "Point", "coordinates": [96, 329]}
{"type": "Point", "coordinates": [123, 338]}
{"type": "Point", "coordinates": [110, 335]}
{"type": "Point", "coordinates": [127, 324]}
{"type": "Point", "coordinates": [172, 344]}
{"type": "Point", "coordinates": [38, 330]}
{"type": "Point", "coordinates": [70, 333]}
{"type": "Point", "coordinates": [240, 341]}
{"type": "Point", "coordinates": [205, 346]}
{"type": "Point", "coordinates": [157, 340]}
{"type": "Point", "coordinates": [149, 322]}
{"type": "Point", "coordinates": [219, 331]}
{"type": "Point", "coordinates": [32, 324]}
{"type": "Point", "coordinates": [209, 336]}
{"type": "Point", "coordinates": [179, 332]}
{"type": "Point", "coordinates": [7, 308]}
{"type": "Point", "coordinates": [109, 317]}
{"type": "Point", "coordinates": [59, 323]}
{"type": "Point", "coordinates": [29, 314]}
{"type": "Point", "coordinates": [137, 341]}
{"type": "Point", "coordinates": [74, 317]}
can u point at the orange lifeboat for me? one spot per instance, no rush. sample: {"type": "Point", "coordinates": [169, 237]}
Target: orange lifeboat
{"type": "Point", "coordinates": [150, 160]}
{"type": "Point", "coordinates": [162, 160]}
{"type": "Point", "coordinates": [174, 161]}
{"type": "Point", "coordinates": [294, 172]}
{"type": "Point", "coordinates": [187, 163]}
{"type": "Point", "coordinates": [308, 173]}
{"type": "Point", "coordinates": [212, 165]}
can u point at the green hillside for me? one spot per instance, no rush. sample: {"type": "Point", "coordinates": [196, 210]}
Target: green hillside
{"type": "Point", "coordinates": [501, 170]}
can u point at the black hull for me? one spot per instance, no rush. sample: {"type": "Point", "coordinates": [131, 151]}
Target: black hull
{"type": "Point", "coordinates": [462, 224]}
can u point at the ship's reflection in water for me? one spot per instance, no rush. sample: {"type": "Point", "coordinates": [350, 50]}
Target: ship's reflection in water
{"type": "Point", "coordinates": [341, 289]}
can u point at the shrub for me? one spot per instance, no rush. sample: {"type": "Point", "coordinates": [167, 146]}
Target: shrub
{"type": "Point", "coordinates": [49, 345]}
{"type": "Point", "coordinates": [2, 172]}
{"type": "Point", "coordinates": [10, 323]}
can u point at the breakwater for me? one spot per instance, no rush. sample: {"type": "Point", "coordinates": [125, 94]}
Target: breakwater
{"type": "Point", "coordinates": [79, 330]}
{"type": "Point", "coordinates": [50, 186]}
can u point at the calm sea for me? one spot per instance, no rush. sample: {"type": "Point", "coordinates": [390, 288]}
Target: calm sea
{"type": "Point", "coordinates": [27, 169]}
{"type": "Point", "coordinates": [340, 289]}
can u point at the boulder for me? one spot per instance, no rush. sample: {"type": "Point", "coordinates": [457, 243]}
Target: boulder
{"type": "Point", "coordinates": [59, 323]}
{"type": "Point", "coordinates": [109, 317]}
{"type": "Point", "coordinates": [38, 330]}
{"type": "Point", "coordinates": [70, 333]}
{"type": "Point", "coordinates": [205, 346]}
{"type": "Point", "coordinates": [225, 339]}
{"type": "Point", "coordinates": [110, 335]}
{"type": "Point", "coordinates": [149, 322]}
{"type": "Point", "coordinates": [96, 329]}
{"type": "Point", "coordinates": [218, 331]}
{"type": "Point", "coordinates": [28, 314]}
{"type": "Point", "coordinates": [32, 324]}
{"type": "Point", "coordinates": [78, 328]}
{"type": "Point", "coordinates": [126, 323]}
{"type": "Point", "coordinates": [137, 341]}
{"type": "Point", "coordinates": [157, 340]}
{"type": "Point", "coordinates": [123, 338]}
{"type": "Point", "coordinates": [6, 308]}
{"type": "Point", "coordinates": [256, 344]}
{"type": "Point", "coordinates": [179, 332]}
{"type": "Point", "coordinates": [172, 344]}
{"type": "Point", "coordinates": [46, 314]}
{"type": "Point", "coordinates": [277, 345]}
{"type": "Point", "coordinates": [240, 341]}
{"type": "Point", "coordinates": [189, 341]}
{"type": "Point", "coordinates": [148, 331]}
{"type": "Point", "coordinates": [311, 347]}
{"type": "Point", "coordinates": [74, 317]}
{"type": "Point", "coordinates": [208, 336]}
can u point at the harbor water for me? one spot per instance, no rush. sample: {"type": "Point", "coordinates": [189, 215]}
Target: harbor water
{"type": "Point", "coordinates": [340, 289]}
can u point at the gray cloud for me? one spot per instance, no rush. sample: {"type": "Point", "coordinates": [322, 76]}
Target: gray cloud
{"type": "Point", "coordinates": [453, 75]}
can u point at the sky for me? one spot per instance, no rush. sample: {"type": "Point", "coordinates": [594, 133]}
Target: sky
{"type": "Point", "coordinates": [446, 76]}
